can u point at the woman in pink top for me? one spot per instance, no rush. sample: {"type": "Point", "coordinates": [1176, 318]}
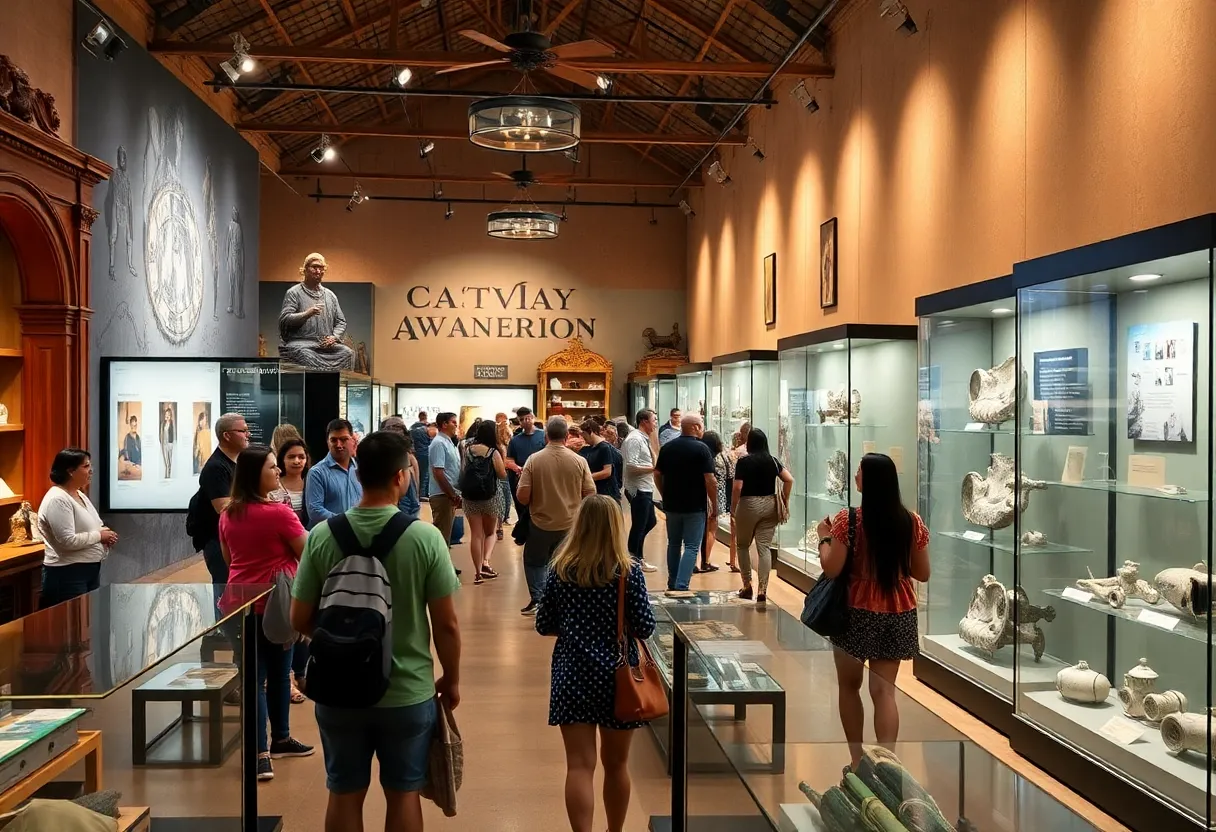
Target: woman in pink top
{"type": "Point", "coordinates": [260, 537]}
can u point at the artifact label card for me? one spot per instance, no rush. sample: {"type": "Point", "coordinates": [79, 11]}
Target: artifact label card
{"type": "Point", "coordinates": [1074, 594]}
{"type": "Point", "coordinates": [1120, 730]}
{"type": "Point", "coordinates": [1156, 619]}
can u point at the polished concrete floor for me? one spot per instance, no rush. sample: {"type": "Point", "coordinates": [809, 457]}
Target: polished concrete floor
{"type": "Point", "coordinates": [514, 764]}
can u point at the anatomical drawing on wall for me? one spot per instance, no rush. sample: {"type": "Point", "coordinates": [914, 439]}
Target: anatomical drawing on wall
{"type": "Point", "coordinates": [236, 265]}
{"type": "Point", "coordinates": [123, 313]}
{"type": "Point", "coordinates": [173, 256]}
{"type": "Point", "coordinates": [213, 240]}
{"type": "Point", "coordinates": [119, 223]}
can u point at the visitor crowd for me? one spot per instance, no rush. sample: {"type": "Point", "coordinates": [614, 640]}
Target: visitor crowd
{"type": "Point", "coordinates": [264, 512]}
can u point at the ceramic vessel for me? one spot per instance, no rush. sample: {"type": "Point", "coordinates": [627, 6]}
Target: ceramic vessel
{"type": "Point", "coordinates": [1188, 732]}
{"type": "Point", "coordinates": [989, 622]}
{"type": "Point", "coordinates": [1157, 706]}
{"type": "Point", "coordinates": [988, 500]}
{"type": "Point", "coordinates": [1080, 684]}
{"type": "Point", "coordinates": [994, 392]}
{"type": "Point", "coordinates": [1137, 683]}
{"type": "Point", "coordinates": [1186, 589]}
{"type": "Point", "coordinates": [1127, 583]}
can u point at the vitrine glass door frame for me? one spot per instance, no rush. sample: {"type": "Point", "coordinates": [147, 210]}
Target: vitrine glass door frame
{"type": "Point", "coordinates": [690, 375]}
{"type": "Point", "coordinates": [755, 361]}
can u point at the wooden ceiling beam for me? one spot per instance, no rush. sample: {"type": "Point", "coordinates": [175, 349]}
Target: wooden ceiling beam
{"type": "Point", "coordinates": [462, 133]}
{"type": "Point", "coordinates": [557, 21]}
{"type": "Point", "coordinates": [274, 21]}
{"type": "Point", "coordinates": [424, 59]}
{"type": "Point", "coordinates": [737, 50]}
{"type": "Point", "coordinates": [476, 179]}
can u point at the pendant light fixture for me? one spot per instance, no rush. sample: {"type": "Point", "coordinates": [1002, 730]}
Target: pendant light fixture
{"type": "Point", "coordinates": [525, 124]}
{"type": "Point", "coordinates": [522, 219]}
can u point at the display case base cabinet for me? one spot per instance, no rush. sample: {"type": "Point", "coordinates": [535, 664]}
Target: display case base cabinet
{"type": "Point", "coordinates": [1129, 804]}
{"type": "Point", "coordinates": [794, 577]}
{"type": "Point", "coordinates": [976, 700]}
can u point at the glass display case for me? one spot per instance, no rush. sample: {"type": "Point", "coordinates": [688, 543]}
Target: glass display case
{"type": "Point", "coordinates": [384, 402]}
{"type": "Point", "coordinates": [743, 391]}
{"type": "Point", "coordinates": [966, 335]}
{"type": "Point", "coordinates": [692, 387]}
{"type": "Point", "coordinates": [310, 399]}
{"type": "Point", "coordinates": [637, 391]}
{"type": "Point", "coordinates": [1113, 442]}
{"type": "Point", "coordinates": [844, 392]}
{"type": "Point", "coordinates": [133, 682]}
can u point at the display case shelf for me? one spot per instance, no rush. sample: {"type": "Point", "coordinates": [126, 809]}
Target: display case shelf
{"type": "Point", "coordinates": [1001, 546]}
{"type": "Point", "coordinates": [12, 427]}
{"type": "Point", "coordinates": [1122, 488]}
{"type": "Point", "coordinates": [985, 430]}
{"type": "Point", "coordinates": [1183, 625]}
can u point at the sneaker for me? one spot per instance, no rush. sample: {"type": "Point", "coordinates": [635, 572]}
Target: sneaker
{"type": "Point", "coordinates": [530, 609]}
{"type": "Point", "coordinates": [265, 769]}
{"type": "Point", "coordinates": [290, 747]}
{"type": "Point", "coordinates": [647, 566]}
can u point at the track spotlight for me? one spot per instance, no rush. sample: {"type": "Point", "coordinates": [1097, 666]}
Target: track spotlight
{"type": "Point", "coordinates": [425, 147]}
{"type": "Point", "coordinates": [402, 76]}
{"type": "Point", "coordinates": [804, 97]}
{"type": "Point", "coordinates": [103, 41]}
{"type": "Point", "coordinates": [687, 209]}
{"type": "Point", "coordinates": [324, 151]}
{"type": "Point", "coordinates": [564, 217]}
{"type": "Point", "coordinates": [447, 215]}
{"type": "Point", "coordinates": [755, 148]}
{"type": "Point", "coordinates": [437, 190]}
{"type": "Point", "coordinates": [571, 193]}
{"type": "Point", "coordinates": [603, 82]}
{"type": "Point", "coordinates": [898, 15]}
{"type": "Point", "coordinates": [654, 220]}
{"type": "Point", "coordinates": [718, 174]}
{"type": "Point", "coordinates": [240, 63]}
{"type": "Point", "coordinates": [357, 198]}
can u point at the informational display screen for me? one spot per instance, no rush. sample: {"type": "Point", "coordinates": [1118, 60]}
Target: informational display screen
{"type": "Point", "coordinates": [158, 424]}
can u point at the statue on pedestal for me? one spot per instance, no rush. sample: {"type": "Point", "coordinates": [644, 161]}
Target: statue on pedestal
{"type": "Point", "coordinates": [311, 323]}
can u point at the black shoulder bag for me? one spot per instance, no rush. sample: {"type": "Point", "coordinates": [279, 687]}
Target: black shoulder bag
{"type": "Point", "coordinates": [826, 610]}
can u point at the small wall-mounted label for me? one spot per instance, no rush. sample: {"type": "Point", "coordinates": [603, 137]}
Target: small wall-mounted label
{"type": "Point", "coordinates": [1120, 730]}
{"type": "Point", "coordinates": [484, 372]}
{"type": "Point", "coordinates": [975, 426]}
{"type": "Point", "coordinates": [1074, 594]}
{"type": "Point", "coordinates": [1156, 619]}
{"type": "Point", "coordinates": [974, 536]}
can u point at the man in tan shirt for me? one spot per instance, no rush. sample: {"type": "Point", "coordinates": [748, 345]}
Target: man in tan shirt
{"type": "Point", "coordinates": [552, 484]}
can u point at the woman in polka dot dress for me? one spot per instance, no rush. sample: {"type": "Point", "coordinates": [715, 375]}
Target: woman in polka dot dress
{"type": "Point", "coordinates": [579, 607]}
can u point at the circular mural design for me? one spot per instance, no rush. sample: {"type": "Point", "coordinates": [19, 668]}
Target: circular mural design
{"type": "Point", "coordinates": [174, 263]}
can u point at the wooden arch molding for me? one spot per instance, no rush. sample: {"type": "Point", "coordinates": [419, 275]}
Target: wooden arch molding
{"type": "Point", "coordinates": [46, 192]}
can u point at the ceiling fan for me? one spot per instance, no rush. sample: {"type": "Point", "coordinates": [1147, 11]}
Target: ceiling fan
{"type": "Point", "coordinates": [528, 50]}
{"type": "Point", "coordinates": [525, 179]}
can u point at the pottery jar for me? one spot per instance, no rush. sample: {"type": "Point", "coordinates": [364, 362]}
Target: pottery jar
{"type": "Point", "coordinates": [1188, 732]}
{"type": "Point", "coordinates": [1157, 706]}
{"type": "Point", "coordinates": [1137, 683]}
{"type": "Point", "coordinates": [1080, 684]}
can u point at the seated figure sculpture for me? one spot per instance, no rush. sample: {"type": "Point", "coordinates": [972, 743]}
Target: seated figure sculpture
{"type": "Point", "coordinates": [311, 323]}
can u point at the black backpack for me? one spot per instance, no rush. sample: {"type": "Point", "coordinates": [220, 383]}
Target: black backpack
{"type": "Point", "coordinates": [478, 479]}
{"type": "Point", "coordinates": [351, 656]}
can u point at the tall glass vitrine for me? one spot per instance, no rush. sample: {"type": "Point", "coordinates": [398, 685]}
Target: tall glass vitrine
{"type": "Point", "coordinates": [1114, 442]}
{"type": "Point", "coordinates": [743, 391]}
{"type": "Point", "coordinates": [844, 391]}
{"type": "Point", "coordinates": [692, 387]}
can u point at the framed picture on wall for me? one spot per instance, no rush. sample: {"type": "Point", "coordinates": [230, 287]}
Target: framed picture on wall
{"type": "Point", "coordinates": [770, 290]}
{"type": "Point", "coordinates": [827, 264]}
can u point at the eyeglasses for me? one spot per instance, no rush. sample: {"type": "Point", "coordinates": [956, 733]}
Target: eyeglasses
{"type": "Point", "coordinates": [238, 430]}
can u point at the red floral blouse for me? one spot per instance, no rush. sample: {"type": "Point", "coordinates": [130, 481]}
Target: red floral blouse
{"type": "Point", "coordinates": [864, 591]}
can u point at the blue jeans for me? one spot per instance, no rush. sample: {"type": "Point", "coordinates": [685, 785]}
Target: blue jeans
{"type": "Point", "coordinates": [504, 494]}
{"type": "Point", "coordinates": [299, 659]}
{"type": "Point", "coordinates": [641, 512]}
{"type": "Point", "coordinates": [685, 532]}
{"type": "Point", "coordinates": [274, 688]}
{"type": "Point", "coordinates": [213, 556]}
{"type": "Point", "coordinates": [400, 738]}
{"type": "Point", "coordinates": [63, 583]}
{"type": "Point", "coordinates": [424, 475]}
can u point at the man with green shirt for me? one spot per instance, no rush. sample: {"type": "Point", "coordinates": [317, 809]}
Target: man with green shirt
{"type": "Point", "coordinates": [398, 730]}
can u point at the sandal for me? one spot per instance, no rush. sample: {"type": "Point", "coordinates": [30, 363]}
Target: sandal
{"type": "Point", "coordinates": [709, 567]}
{"type": "Point", "coordinates": [297, 698]}
{"type": "Point", "coordinates": [478, 580]}
{"type": "Point", "coordinates": [487, 572]}
{"type": "Point", "coordinates": [500, 534]}
{"type": "Point", "coordinates": [734, 568]}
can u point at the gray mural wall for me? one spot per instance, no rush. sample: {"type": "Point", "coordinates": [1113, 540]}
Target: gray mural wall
{"type": "Point", "coordinates": [175, 253]}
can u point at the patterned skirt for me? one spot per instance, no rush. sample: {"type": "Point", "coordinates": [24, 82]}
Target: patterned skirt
{"type": "Point", "coordinates": [491, 507]}
{"type": "Point", "coordinates": [879, 635]}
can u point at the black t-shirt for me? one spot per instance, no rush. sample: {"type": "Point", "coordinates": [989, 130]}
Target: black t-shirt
{"type": "Point", "coordinates": [758, 475]}
{"type": "Point", "coordinates": [599, 456]}
{"type": "Point", "coordinates": [214, 482]}
{"type": "Point", "coordinates": [684, 462]}
{"type": "Point", "coordinates": [523, 446]}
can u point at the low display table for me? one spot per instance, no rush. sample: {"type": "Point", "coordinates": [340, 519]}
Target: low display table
{"type": "Point", "coordinates": [86, 749]}
{"type": "Point", "coordinates": [187, 683]}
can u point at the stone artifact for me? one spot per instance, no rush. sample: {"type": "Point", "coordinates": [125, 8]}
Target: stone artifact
{"type": "Point", "coordinates": [311, 323]}
{"type": "Point", "coordinates": [1188, 732]}
{"type": "Point", "coordinates": [926, 422]}
{"type": "Point", "coordinates": [1127, 583]}
{"type": "Point", "coordinates": [1033, 539]}
{"type": "Point", "coordinates": [842, 408]}
{"type": "Point", "coordinates": [994, 393]}
{"type": "Point", "coordinates": [837, 481]}
{"type": "Point", "coordinates": [989, 623]}
{"type": "Point", "coordinates": [1157, 706]}
{"type": "Point", "coordinates": [1080, 684]}
{"type": "Point", "coordinates": [811, 542]}
{"type": "Point", "coordinates": [988, 500]}
{"type": "Point", "coordinates": [21, 99]}
{"type": "Point", "coordinates": [1186, 589]}
{"type": "Point", "coordinates": [23, 525]}
{"type": "Point", "coordinates": [1137, 684]}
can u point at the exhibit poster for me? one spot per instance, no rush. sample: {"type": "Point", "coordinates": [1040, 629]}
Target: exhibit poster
{"type": "Point", "coordinates": [1161, 381]}
{"type": "Point", "coordinates": [489, 401]}
{"type": "Point", "coordinates": [1061, 383]}
{"type": "Point", "coordinates": [359, 408]}
{"type": "Point", "coordinates": [159, 424]}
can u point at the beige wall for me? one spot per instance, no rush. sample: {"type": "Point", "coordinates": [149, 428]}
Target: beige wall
{"type": "Point", "coordinates": [625, 273]}
{"type": "Point", "coordinates": [1005, 129]}
{"type": "Point", "coordinates": [38, 36]}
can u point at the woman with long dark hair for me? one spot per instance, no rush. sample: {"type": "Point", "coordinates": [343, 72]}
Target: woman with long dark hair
{"type": "Point", "coordinates": [481, 516]}
{"type": "Point", "coordinates": [890, 551]}
{"type": "Point", "coordinates": [754, 510]}
{"type": "Point", "coordinates": [293, 461]}
{"type": "Point", "coordinates": [260, 537]}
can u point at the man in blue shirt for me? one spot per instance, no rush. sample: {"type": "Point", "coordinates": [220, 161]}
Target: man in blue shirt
{"type": "Point", "coordinates": [443, 488]}
{"type": "Point", "coordinates": [528, 441]}
{"type": "Point", "coordinates": [422, 450]}
{"type": "Point", "coordinates": [333, 486]}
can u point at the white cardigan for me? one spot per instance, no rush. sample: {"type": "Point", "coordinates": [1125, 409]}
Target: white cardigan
{"type": "Point", "coordinates": [71, 531]}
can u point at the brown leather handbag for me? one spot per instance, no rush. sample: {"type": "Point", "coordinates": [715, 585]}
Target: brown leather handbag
{"type": "Point", "coordinates": [639, 690]}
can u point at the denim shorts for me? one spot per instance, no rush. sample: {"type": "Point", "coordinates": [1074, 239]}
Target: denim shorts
{"type": "Point", "coordinates": [400, 738]}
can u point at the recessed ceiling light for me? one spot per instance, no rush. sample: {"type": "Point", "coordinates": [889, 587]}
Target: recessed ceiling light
{"type": "Point", "coordinates": [1002, 310]}
{"type": "Point", "coordinates": [1101, 287]}
{"type": "Point", "coordinates": [1144, 278]}
{"type": "Point", "coordinates": [837, 346]}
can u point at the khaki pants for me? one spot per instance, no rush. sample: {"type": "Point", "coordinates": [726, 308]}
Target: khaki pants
{"type": "Point", "coordinates": [443, 515]}
{"type": "Point", "coordinates": [755, 518]}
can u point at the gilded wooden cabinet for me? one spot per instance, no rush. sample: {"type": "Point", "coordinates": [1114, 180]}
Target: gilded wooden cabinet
{"type": "Point", "coordinates": [575, 383]}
